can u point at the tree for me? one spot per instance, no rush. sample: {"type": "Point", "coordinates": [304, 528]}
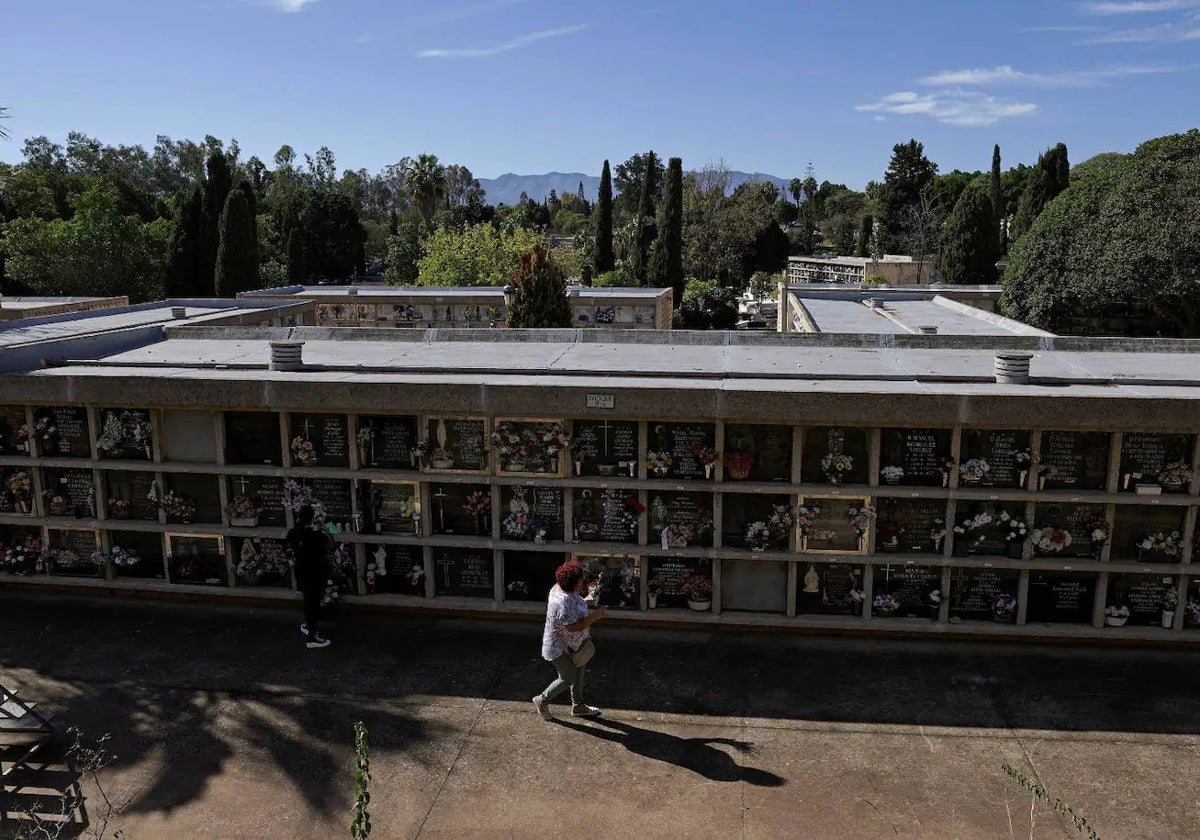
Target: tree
{"type": "Point", "coordinates": [297, 264]}
{"type": "Point", "coordinates": [1124, 241]}
{"type": "Point", "coordinates": [904, 191]}
{"type": "Point", "coordinates": [708, 306]}
{"type": "Point", "coordinates": [216, 191]}
{"type": "Point", "coordinates": [4, 115]}
{"type": "Point", "coordinates": [541, 292]}
{"type": "Point", "coordinates": [1050, 177]}
{"type": "Point", "coordinates": [796, 189]}
{"type": "Point", "coordinates": [996, 195]}
{"type": "Point", "coordinates": [863, 246]}
{"type": "Point", "coordinates": [604, 260]}
{"type": "Point", "coordinates": [237, 255]}
{"type": "Point", "coordinates": [404, 250]}
{"type": "Point", "coordinates": [629, 179]}
{"type": "Point", "coordinates": [646, 226]}
{"type": "Point", "coordinates": [667, 267]}
{"type": "Point", "coordinates": [184, 274]}
{"type": "Point", "coordinates": [970, 245]}
{"type": "Point", "coordinates": [425, 181]}
{"type": "Point", "coordinates": [477, 256]}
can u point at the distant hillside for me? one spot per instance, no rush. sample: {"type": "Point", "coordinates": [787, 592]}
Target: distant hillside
{"type": "Point", "coordinates": [508, 187]}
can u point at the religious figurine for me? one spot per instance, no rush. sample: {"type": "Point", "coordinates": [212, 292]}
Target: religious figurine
{"type": "Point", "coordinates": [658, 513]}
{"type": "Point", "coordinates": [587, 506]}
{"type": "Point", "coordinates": [812, 581]}
{"type": "Point", "coordinates": [441, 459]}
{"type": "Point", "coordinates": [517, 506]}
{"type": "Point", "coordinates": [380, 556]}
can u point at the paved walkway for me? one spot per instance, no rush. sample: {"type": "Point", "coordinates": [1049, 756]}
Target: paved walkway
{"type": "Point", "coordinates": [226, 726]}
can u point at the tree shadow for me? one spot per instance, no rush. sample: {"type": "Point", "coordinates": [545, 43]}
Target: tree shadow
{"type": "Point", "coordinates": [699, 755]}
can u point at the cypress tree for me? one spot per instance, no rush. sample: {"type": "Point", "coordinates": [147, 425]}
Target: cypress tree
{"type": "Point", "coordinates": [670, 232]}
{"type": "Point", "coordinates": [237, 255]}
{"type": "Point", "coordinates": [297, 266]}
{"type": "Point", "coordinates": [865, 229]}
{"type": "Point", "coordinates": [970, 247]}
{"type": "Point", "coordinates": [1050, 177]}
{"type": "Point", "coordinates": [647, 227]}
{"type": "Point", "coordinates": [996, 194]}
{"type": "Point", "coordinates": [604, 260]}
{"type": "Point", "coordinates": [185, 259]}
{"type": "Point", "coordinates": [541, 292]}
{"type": "Point", "coordinates": [216, 191]}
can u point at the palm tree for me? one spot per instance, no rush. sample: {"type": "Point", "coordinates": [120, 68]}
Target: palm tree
{"type": "Point", "coordinates": [425, 182]}
{"type": "Point", "coordinates": [4, 135]}
{"type": "Point", "coordinates": [796, 187]}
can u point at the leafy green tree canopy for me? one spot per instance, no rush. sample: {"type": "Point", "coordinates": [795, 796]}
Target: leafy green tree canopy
{"type": "Point", "coordinates": [541, 292]}
{"type": "Point", "coordinates": [477, 256]}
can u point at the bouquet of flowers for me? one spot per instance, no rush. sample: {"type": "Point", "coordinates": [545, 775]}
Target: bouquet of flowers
{"type": "Point", "coordinates": [1170, 600]}
{"type": "Point", "coordinates": [656, 584]}
{"type": "Point", "coordinates": [44, 429]}
{"type": "Point", "coordinates": [889, 534]}
{"type": "Point", "coordinates": [478, 503]}
{"type": "Point", "coordinates": [630, 575]}
{"type": "Point", "coordinates": [518, 587]}
{"type": "Point", "coordinates": [297, 495]}
{"type": "Point", "coordinates": [757, 535]}
{"type": "Point", "coordinates": [1191, 611]}
{"type": "Point", "coordinates": [20, 484]}
{"type": "Point", "coordinates": [860, 518]}
{"type": "Point", "coordinates": [365, 436]}
{"type": "Point", "coordinates": [781, 522]}
{"type": "Point", "coordinates": [421, 448]}
{"type": "Point", "coordinates": [946, 463]}
{"type": "Point", "coordinates": [1018, 528]}
{"type": "Point", "coordinates": [974, 471]}
{"type": "Point", "coordinates": [1116, 615]}
{"type": "Point", "coordinates": [973, 523]}
{"type": "Point", "coordinates": [606, 314]}
{"type": "Point", "coordinates": [836, 466]}
{"type": "Point", "coordinates": [22, 557]}
{"type": "Point", "coordinates": [243, 507]}
{"type": "Point", "coordinates": [738, 464]}
{"type": "Point", "coordinates": [706, 455]}
{"type": "Point", "coordinates": [119, 508]}
{"type": "Point", "coordinates": [23, 437]}
{"type": "Point", "coordinates": [857, 596]}
{"type": "Point", "coordinates": [806, 517]}
{"type": "Point", "coordinates": [57, 504]}
{"type": "Point", "coordinates": [1167, 542]}
{"type": "Point", "coordinates": [892, 474]}
{"type": "Point", "coordinates": [696, 587]}
{"type": "Point", "coordinates": [177, 506]}
{"type": "Point", "coordinates": [1022, 459]}
{"type": "Point", "coordinates": [521, 526]}
{"type": "Point", "coordinates": [303, 451]}
{"type": "Point", "coordinates": [1100, 528]}
{"type": "Point", "coordinates": [124, 557]}
{"type": "Point", "coordinates": [659, 463]}
{"type": "Point", "coordinates": [1004, 607]}
{"type": "Point", "coordinates": [937, 532]}
{"type": "Point", "coordinates": [1176, 474]}
{"type": "Point", "coordinates": [1051, 540]}
{"type": "Point", "coordinates": [554, 438]}
{"type": "Point", "coordinates": [885, 604]}
{"type": "Point", "coordinates": [99, 557]}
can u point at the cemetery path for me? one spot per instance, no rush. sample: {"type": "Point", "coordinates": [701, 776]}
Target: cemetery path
{"type": "Point", "coordinates": [226, 726]}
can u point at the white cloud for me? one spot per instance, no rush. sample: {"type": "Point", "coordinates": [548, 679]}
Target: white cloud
{"type": "Point", "coordinates": [1185, 30]}
{"type": "Point", "coordinates": [1137, 7]}
{"type": "Point", "coordinates": [961, 107]}
{"type": "Point", "coordinates": [289, 5]}
{"type": "Point", "coordinates": [1006, 75]}
{"type": "Point", "coordinates": [513, 44]}
{"type": "Point", "coordinates": [1063, 28]}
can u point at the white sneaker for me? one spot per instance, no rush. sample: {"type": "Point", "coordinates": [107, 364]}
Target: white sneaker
{"type": "Point", "coordinates": [585, 711]}
{"type": "Point", "coordinates": [540, 705]}
{"type": "Point", "coordinates": [320, 641]}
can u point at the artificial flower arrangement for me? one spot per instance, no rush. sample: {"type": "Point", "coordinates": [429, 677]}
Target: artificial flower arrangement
{"type": "Point", "coordinates": [1176, 474]}
{"type": "Point", "coordinates": [177, 506]}
{"type": "Point", "coordinates": [1051, 540]}
{"type": "Point", "coordinates": [885, 604]}
{"type": "Point", "coordinates": [806, 517]}
{"type": "Point", "coordinates": [706, 455]}
{"type": "Point", "coordinates": [58, 558]}
{"type": "Point", "coordinates": [934, 597]}
{"type": "Point", "coordinates": [946, 464]}
{"type": "Point", "coordinates": [342, 570]}
{"type": "Point", "coordinates": [21, 558]}
{"type": "Point", "coordinates": [606, 314]}
{"type": "Point", "coordinates": [1169, 543]}
{"type": "Point", "coordinates": [124, 557]}
{"type": "Point", "coordinates": [1017, 529]}
{"type": "Point", "coordinates": [44, 429]}
{"type": "Point", "coordinates": [297, 495]}
{"type": "Point", "coordinates": [365, 438]}
{"type": "Point", "coordinates": [478, 503]}
{"type": "Point", "coordinates": [303, 451]}
{"type": "Point", "coordinates": [836, 466]}
{"type": "Point", "coordinates": [128, 427]}
{"type": "Point", "coordinates": [659, 463]}
{"type": "Point", "coordinates": [781, 522]}
{"type": "Point", "coordinates": [630, 575]}
{"type": "Point", "coordinates": [23, 437]}
{"type": "Point", "coordinates": [522, 526]}
{"type": "Point", "coordinates": [420, 449]}
{"type": "Point", "coordinates": [758, 535]}
{"type": "Point", "coordinates": [243, 510]}
{"type": "Point", "coordinates": [860, 518]}
{"type": "Point", "coordinates": [56, 503]}
{"type": "Point", "coordinates": [1170, 600]}
{"type": "Point", "coordinates": [119, 508]}
{"type": "Point", "coordinates": [738, 465]}
{"type": "Point", "coordinates": [1191, 611]}
{"type": "Point", "coordinates": [1099, 528]}
{"type": "Point", "coordinates": [525, 449]}
{"type": "Point", "coordinates": [1004, 608]}
{"type": "Point", "coordinates": [697, 588]}
{"type": "Point", "coordinates": [518, 587]}
{"type": "Point", "coordinates": [252, 566]}
{"type": "Point", "coordinates": [1116, 616]}
{"type": "Point", "coordinates": [892, 474]}
{"type": "Point", "coordinates": [20, 484]}
{"type": "Point", "coordinates": [889, 534]}
{"type": "Point", "coordinates": [937, 533]}
{"type": "Point", "coordinates": [974, 471]}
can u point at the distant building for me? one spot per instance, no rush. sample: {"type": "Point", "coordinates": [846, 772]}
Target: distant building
{"type": "Point", "coordinates": [895, 270]}
{"type": "Point", "coordinates": [20, 307]}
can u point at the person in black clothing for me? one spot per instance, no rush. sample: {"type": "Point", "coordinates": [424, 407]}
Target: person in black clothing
{"type": "Point", "coordinates": [309, 546]}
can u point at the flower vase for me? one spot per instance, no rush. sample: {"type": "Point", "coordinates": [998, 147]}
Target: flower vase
{"type": "Point", "coordinates": [1168, 619]}
{"type": "Point", "coordinates": [579, 468]}
{"type": "Point", "coordinates": [243, 521]}
{"type": "Point", "coordinates": [653, 600]}
{"type": "Point", "coordinates": [708, 470]}
{"type": "Point", "coordinates": [1097, 548]}
{"type": "Point", "coordinates": [856, 607]}
{"type": "Point", "coordinates": [737, 475]}
{"type": "Point", "coordinates": [1004, 617]}
{"type": "Point", "coordinates": [967, 481]}
{"type": "Point", "coordinates": [1021, 479]}
{"type": "Point", "coordinates": [758, 548]}
{"type": "Point", "coordinates": [700, 606]}
{"type": "Point", "coordinates": [1114, 621]}
{"type": "Point", "coordinates": [945, 479]}
{"type": "Point", "coordinates": [934, 611]}
{"type": "Point", "coordinates": [835, 479]}
{"type": "Point", "coordinates": [891, 479]}
{"type": "Point", "coordinates": [479, 525]}
{"type": "Point", "coordinates": [121, 514]}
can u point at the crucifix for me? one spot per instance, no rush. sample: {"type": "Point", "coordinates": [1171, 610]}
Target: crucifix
{"type": "Point", "coordinates": [605, 427]}
{"type": "Point", "coordinates": [307, 426]}
{"type": "Point", "coordinates": [440, 495]}
{"type": "Point", "coordinates": [241, 483]}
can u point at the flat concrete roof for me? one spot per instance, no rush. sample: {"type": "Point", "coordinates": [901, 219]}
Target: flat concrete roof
{"type": "Point", "coordinates": [853, 312]}
{"type": "Point", "coordinates": [376, 292]}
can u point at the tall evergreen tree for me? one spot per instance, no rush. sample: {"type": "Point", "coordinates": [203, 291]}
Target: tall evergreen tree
{"type": "Point", "coordinates": [541, 292]}
{"type": "Point", "coordinates": [863, 247]}
{"type": "Point", "coordinates": [604, 259]}
{"type": "Point", "coordinates": [996, 194]}
{"type": "Point", "coordinates": [185, 260]}
{"type": "Point", "coordinates": [216, 191]}
{"type": "Point", "coordinates": [909, 176]}
{"type": "Point", "coordinates": [647, 227]}
{"type": "Point", "coordinates": [970, 247]}
{"type": "Point", "coordinates": [1050, 176]}
{"type": "Point", "coordinates": [297, 265]}
{"type": "Point", "coordinates": [237, 255]}
{"type": "Point", "coordinates": [666, 262]}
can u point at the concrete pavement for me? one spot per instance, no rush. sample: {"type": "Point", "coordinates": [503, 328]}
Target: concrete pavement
{"type": "Point", "coordinates": [226, 726]}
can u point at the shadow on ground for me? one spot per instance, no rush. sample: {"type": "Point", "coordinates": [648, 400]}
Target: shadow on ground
{"type": "Point", "coordinates": [155, 675]}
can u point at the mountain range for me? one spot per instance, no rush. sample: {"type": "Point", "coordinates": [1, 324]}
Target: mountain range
{"type": "Point", "coordinates": [508, 187]}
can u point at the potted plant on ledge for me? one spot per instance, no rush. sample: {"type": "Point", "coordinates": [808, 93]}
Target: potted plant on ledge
{"type": "Point", "coordinates": [698, 590]}
{"type": "Point", "coordinates": [884, 605]}
{"type": "Point", "coordinates": [758, 535]}
{"type": "Point", "coordinates": [1169, 602]}
{"type": "Point", "coordinates": [242, 512]}
{"type": "Point", "coordinates": [892, 474]}
{"type": "Point", "coordinates": [836, 466]}
{"type": "Point", "coordinates": [1004, 609]}
{"type": "Point", "coordinates": [974, 472]}
{"type": "Point", "coordinates": [1116, 616]}
{"type": "Point", "coordinates": [738, 465]}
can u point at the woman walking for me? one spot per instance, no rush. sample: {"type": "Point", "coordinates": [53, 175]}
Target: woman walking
{"type": "Point", "coordinates": [566, 641]}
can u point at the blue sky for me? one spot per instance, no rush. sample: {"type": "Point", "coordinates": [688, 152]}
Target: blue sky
{"type": "Point", "coordinates": [538, 85]}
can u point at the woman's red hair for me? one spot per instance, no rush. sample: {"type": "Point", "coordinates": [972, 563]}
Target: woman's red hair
{"type": "Point", "coordinates": [568, 575]}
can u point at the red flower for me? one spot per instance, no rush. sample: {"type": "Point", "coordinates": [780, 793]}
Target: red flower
{"type": "Point", "coordinates": [633, 504]}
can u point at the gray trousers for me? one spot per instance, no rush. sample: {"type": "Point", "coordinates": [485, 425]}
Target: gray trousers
{"type": "Point", "coordinates": [568, 675]}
